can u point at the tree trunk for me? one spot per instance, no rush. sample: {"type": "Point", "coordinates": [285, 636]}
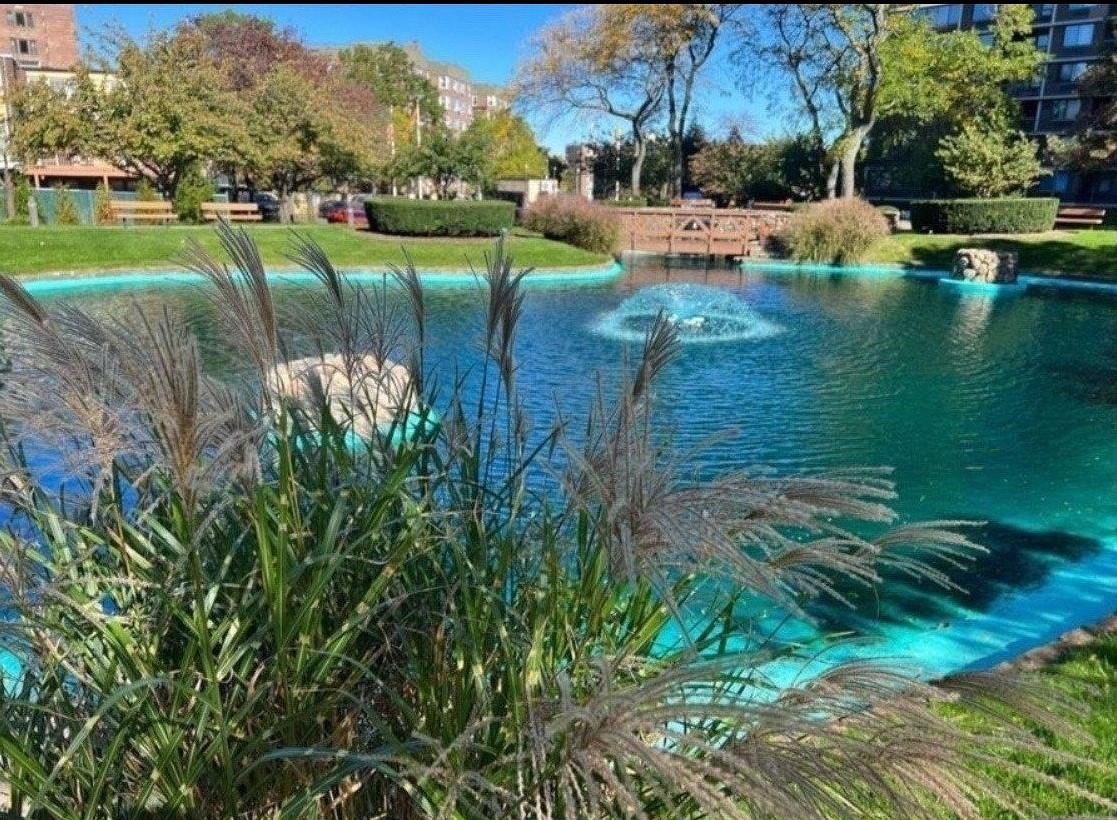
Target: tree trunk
{"type": "Point", "coordinates": [9, 192]}
{"type": "Point", "coordinates": [832, 178]}
{"type": "Point", "coordinates": [849, 159]}
{"type": "Point", "coordinates": [640, 151]}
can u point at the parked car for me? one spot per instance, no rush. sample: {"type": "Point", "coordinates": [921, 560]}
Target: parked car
{"type": "Point", "coordinates": [327, 206]}
{"type": "Point", "coordinates": [268, 205]}
{"type": "Point", "coordinates": [354, 212]}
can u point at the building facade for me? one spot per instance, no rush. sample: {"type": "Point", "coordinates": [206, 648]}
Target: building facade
{"type": "Point", "coordinates": [39, 35]}
{"type": "Point", "coordinates": [461, 98]}
{"type": "Point", "coordinates": [1073, 36]}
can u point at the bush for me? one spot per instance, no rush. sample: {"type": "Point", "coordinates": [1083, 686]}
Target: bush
{"type": "Point", "coordinates": [626, 202]}
{"type": "Point", "coordinates": [1018, 215]}
{"type": "Point", "coordinates": [102, 206]}
{"type": "Point", "coordinates": [65, 208]}
{"type": "Point", "coordinates": [574, 220]}
{"type": "Point", "coordinates": [145, 191]}
{"type": "Point", "coordinates": [439, 217]}
{"type": "Point", "coordinates": [192, 191]}
{"type": "Point", "coordinates": [22, 197]}
{"type": "Point", "coordinates": [835, 231]}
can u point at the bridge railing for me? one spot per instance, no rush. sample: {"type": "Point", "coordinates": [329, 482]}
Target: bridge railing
{"type": "Point", "coordinates": [699, 231]}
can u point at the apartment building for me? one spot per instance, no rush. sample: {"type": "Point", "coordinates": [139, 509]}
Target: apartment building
{"type": "Point", "coordinates": [1074, 36]}
{"type": "Point", "coordinates": [39, 43]}
{"type": "Point", "coordinates": [460, 97]}
{"type": "Point", "coordinates": [489, 100]}
{"type": "Point", "coordinates": [39, 35]}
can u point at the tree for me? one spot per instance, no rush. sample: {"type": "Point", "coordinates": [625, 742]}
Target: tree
{"type": "Point", "coordinates": [987, 159]}
{"type": "Point", "coordinates": [65, 208]}
{"type": "Point", "coordinates": [1094, 142]}
{"type": "Point", "coordinates": [102, 205]}
{"type": "Point", "coordinates": [852, 65]}
{"type": "Point", "coordinates": [682, 37]}
{"type": "Point", "coordinates": [511, 143]}
{"type": "Point", "coordinates": [735, 171]}
{"type": "Point", "coordinates": [446, 158]}
{"type": "Point", "coordinates": [169, 110]}
{"type": "Point", "coordinates": [583, 64]}
{"type": "Point", "coordinates": [388, 72]}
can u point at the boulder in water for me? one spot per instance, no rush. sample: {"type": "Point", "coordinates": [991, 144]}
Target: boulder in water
{"type": "Point", "coordinates": [372, 392]}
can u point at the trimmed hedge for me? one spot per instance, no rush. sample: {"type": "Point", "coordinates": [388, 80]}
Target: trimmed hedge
{"type": "Point", "coordinates": [1009, 215]}
{"type": "Point", "coordinates": [439, 217]}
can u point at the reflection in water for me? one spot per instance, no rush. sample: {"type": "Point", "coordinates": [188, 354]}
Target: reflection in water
{"type": "Point", "coordinates": [997, 410]}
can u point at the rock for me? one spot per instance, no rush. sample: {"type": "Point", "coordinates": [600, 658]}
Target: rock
{"type": "Point", "coordinates": [373, 393]}
{"type": "Point", "coordinates": [986, 266]}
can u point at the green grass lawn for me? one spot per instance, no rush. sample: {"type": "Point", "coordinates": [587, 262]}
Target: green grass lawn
{"type": "Point", "coordinates": [26, 250]}
{"type": "Point", "coordinates": [1069, 253]}
{"type": "Point", "coordinates": [1087, 677]}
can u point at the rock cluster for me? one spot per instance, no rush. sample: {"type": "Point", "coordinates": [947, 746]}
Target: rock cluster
{"type": "Point", "coordinates": [980, 265]}
{"type": "Point", "coordinates": [370, 391]}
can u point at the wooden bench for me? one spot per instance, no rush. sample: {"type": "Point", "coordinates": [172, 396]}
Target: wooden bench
{"type": "Point", "coordinates": [231, 211]}
{"type": "Point", "coordinates": [130, 210]}
{"type": "Point", "coordinates": [1074, 216]}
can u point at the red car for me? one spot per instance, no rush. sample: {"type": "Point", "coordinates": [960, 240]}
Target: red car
{"type": "Point", "coordinates": [354, 212]}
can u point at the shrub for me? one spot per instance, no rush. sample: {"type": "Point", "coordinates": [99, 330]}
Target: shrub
{"type": "Point", "coordinates": [835, 231]}
{"type": "Point", "coordinates": [192, 191]}
{"type": "Point", "coordinates": [145, 191]}
{"type": "Point", "coordinates": [65, 208]}
{"type": "Point", "coordinates": [439, 217]}
{"type": "Point", "coordinates": [989, 159]}
{"type": "Point", "coordinates": [1022, 215]}
{"type": "Point", "coordinates": [574, 220]}
{"type": "Point", "coordinates": [102, 206]}
{"type": "Point", "coordinates": [628, 201]}
{"type": "Point", "coordinates": [22, 197]}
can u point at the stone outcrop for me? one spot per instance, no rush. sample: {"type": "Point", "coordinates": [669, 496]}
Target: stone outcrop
{"type": "Point", "coordinates": [370, 391]}
{"type": "Point", "coordinates": [980, 265]}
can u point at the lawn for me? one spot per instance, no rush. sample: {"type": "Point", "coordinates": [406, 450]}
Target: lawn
{"type": "Point", "coordinates": [1068, 253]}
{"type": "Point", "coordinates": [26, 250]}
{"type": "Point", "coordinates": [1087, 679]}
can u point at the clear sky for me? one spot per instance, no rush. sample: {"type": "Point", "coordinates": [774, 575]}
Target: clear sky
{"type": "Point", "coordinates": [486, 39]}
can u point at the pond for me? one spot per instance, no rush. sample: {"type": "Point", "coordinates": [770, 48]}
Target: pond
{"type": "Point", "coordinates": [992, 406]}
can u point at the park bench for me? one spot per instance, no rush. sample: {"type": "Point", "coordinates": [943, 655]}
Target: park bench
{"type": "Point", "coordinates": [1075, 216]}
{"type": "Point", "coordinates": [132, 211]}
{"type": "Point", "coordinates": [231, 211]}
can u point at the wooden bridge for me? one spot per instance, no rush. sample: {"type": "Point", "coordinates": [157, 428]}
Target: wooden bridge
{"type": "Point", "coordinates": [699, 231]}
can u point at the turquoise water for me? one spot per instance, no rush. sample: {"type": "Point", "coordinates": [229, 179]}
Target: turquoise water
{"type": "Point", "coordinates": [992, 405]}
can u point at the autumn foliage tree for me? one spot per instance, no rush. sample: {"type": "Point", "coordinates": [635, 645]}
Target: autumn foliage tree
{"type": "Point", "coordinates": [585, 64]}
{"type": "Point", "coordinates": [226, 91]}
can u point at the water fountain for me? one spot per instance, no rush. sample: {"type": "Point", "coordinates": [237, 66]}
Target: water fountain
{"type": "Point", "coordinates": [700, 313]}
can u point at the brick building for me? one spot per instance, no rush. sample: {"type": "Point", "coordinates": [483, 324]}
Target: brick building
{"type": "Point", "coordinates": [39, 35]}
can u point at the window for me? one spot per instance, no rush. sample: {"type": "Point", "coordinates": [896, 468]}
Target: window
{"type": "Point", "coordinates": [1044, 11]}
{"type": "Point", "coordinates": [21, 19]}
{"type": "Point", "coordinates": [24, 48]}
{"type": "Point", "coordinates": [1069, 72]}
{"type": "Point", "coordinates": [1043, 40]}
{"type": "Point", "coordinates": [1060, 182]}
{"type": "Point", "coordinates": [943, 16]}
{"type": "Point", "coordinates": [1078, 35]}
{"type": "Point", "coordinates": [984, 12]}
{"type": "Point", "coordinates": [986, 37]}
{"type": "Point", "coordinates": [1065, 110]}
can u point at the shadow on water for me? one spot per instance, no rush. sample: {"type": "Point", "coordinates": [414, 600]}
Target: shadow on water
{"type": "Point", "coordinates": [1017, 559]}
{"type": "Point", "coordinates": [1094, 384]}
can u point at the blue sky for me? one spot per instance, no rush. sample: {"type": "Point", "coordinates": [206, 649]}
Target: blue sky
{"type": "Point", "coordinates": [487, 39]}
